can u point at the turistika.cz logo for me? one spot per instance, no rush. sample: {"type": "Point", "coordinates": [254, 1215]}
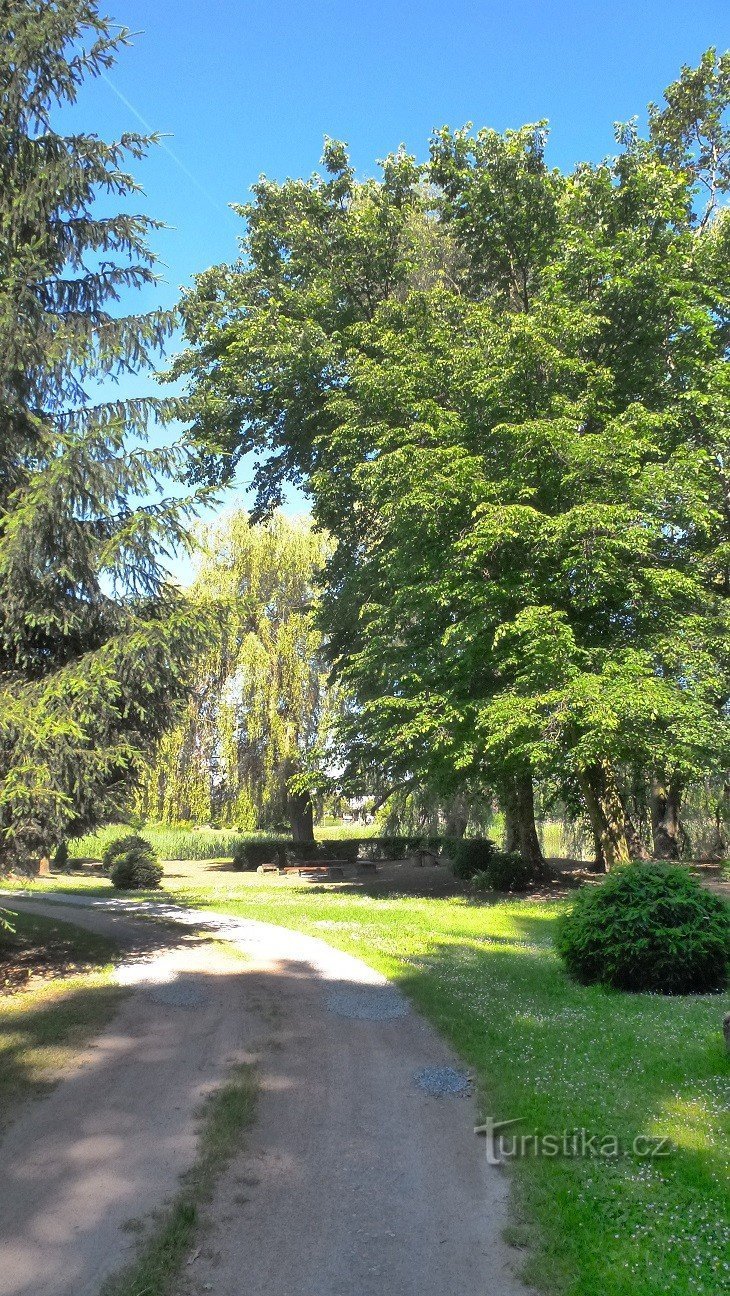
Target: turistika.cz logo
{"type": "Point", "coordinates": [504, 1143]}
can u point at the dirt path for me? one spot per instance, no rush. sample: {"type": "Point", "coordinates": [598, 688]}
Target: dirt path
{"type": "Point", "coordinates": [356, 1178]}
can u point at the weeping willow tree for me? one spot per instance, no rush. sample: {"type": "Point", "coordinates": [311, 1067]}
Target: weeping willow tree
{"type": "Point", "coordinates": [257, 726]}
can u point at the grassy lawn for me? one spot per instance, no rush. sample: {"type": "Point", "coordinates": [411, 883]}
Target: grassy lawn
{"type": "Point", "coordinates": [560, 1057]}
{"type": "Point", "coordinates": [57, 993]}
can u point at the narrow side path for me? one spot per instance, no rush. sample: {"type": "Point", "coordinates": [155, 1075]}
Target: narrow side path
{"type": "Point", "coordinates": [356, 1179]}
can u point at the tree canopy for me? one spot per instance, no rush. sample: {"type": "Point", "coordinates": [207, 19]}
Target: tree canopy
{"type": "Point", "coordinates": [506, 390]}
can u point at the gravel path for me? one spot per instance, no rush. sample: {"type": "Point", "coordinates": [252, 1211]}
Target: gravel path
{"type": "Point", "coordinates": [361, 1176]}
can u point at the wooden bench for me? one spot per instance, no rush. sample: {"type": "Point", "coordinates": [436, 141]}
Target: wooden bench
{"type": "Point", "coordinates": [322, 868]}
{"type": "Point", "coordinates": [319, 867]}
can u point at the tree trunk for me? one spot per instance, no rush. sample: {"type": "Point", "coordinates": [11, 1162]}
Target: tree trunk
{"type": "Point", "coordinates": [301, 816]}
{"type": "Point", "coordinates": [666, 799]}
{"type": "Point", "coordinates": [456, 817]}
{"type": "Point", "coordinates": [520, 831]}
{"type": "Point", "coordinates": [44, 867]}
{"type": "Point", "coordinates": [716, 847]}
{"type": "Point", "coordinates": [599, 859]}
{"type": "Point", "coordinates": [607, 814]}
{"type": "Point", "coordinates": [636, 843]}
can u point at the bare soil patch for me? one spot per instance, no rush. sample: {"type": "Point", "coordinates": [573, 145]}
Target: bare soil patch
{"type": "Point", "coordinates": [44, 950]}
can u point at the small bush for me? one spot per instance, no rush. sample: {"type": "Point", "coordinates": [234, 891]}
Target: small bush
{"type": "Point", "coordinates": [121, 845]}
{"type": "Point", "coordinates": [250, 854]}
{"type": "Point", "coordinates": [445, 847]}
{"type": "Point", "coordinates": [505, 871]}
{"type": "Point", "coordinates": [470, 855]}
{"type": "Point", "coordinates": [136, 871]}
{"type": "Point", "coordinates": [136, 868]}
{"type": "Point", "coordinates": [647, 927]}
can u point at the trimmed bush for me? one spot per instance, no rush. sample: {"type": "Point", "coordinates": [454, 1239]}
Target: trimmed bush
{"type": "Point", "coordinates": [121, 845]}
{"type": "Point", "coordinates": [248, 855]}
{"type": "Point", "coordinates": [304, 850]}
{"type": "Point", "coordinates": [470, 855]}
{"type": "Point", "coordinates": [136, 867]}
{"type": "Point", "coordinates": [505, 871]}
{"type": "Point", "coordinates": [343, 848]}
{"type": "Point", "coordinates": [647, 927]}
{"type": "Point", "coordinates": [389, 848]}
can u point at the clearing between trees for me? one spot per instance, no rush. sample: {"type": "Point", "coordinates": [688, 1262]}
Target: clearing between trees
{"type": "Point", "coordinates": [558, 1055]}
{"type": "Point", "coordinates": [349, 1132]}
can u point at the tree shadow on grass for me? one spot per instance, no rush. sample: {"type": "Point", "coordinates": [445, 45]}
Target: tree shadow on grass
{"type": "Point", "coordinates": [37, 1039]}
{"type": "Point", "coordinates": [437, 881]}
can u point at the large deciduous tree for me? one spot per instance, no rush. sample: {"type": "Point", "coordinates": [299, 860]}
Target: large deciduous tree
{"type": "Point", "coordinates": [92, 638]}
{"type": "Point", "coordinates": [506, 389]}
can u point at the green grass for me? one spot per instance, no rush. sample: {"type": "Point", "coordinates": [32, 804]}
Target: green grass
{"type": "Point", "coordinates": [559, 1056]}
{"type": "Point", "coordinates": [43, 1027]}
{"type": "Point", "coordinates": [184, 843]}
{"type": "Point", "coordinates": [559, 841]}
{"type": "Point", "coordinates": [170, 843]}
{"type": "Point", "coordinates": [227, 1114]}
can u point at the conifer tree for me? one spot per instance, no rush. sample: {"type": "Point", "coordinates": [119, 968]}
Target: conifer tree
{"type": "Point", "coordinates": [92, 636]}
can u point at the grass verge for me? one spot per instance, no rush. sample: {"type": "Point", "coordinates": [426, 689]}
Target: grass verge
{"type": "Point", "coordinates": [67, 1000]}
{"type": "Point", "coordinates": [225, 1117]}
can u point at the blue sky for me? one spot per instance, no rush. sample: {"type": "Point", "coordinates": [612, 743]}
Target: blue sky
{"type": "Point", "coordinates": [245, 88]}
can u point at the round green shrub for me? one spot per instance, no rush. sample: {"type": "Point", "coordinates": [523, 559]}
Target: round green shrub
{"type": "Point", "coordinates": [505, 871]}
{"type": "Point", "coordinates": [647, 927]}
{"type": "Point", "coordinates": [120, 846]}
{"type": "Point", "coordinates": [132, 864]}
{"type": "Point", "coordinates": [470, 855]}
{"type": "Point", "coordinates": [136, 870]}
{"type": "Point", "coordinates": [444, 846]}
{"type": "Point", "coordinates": [239, 857]}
